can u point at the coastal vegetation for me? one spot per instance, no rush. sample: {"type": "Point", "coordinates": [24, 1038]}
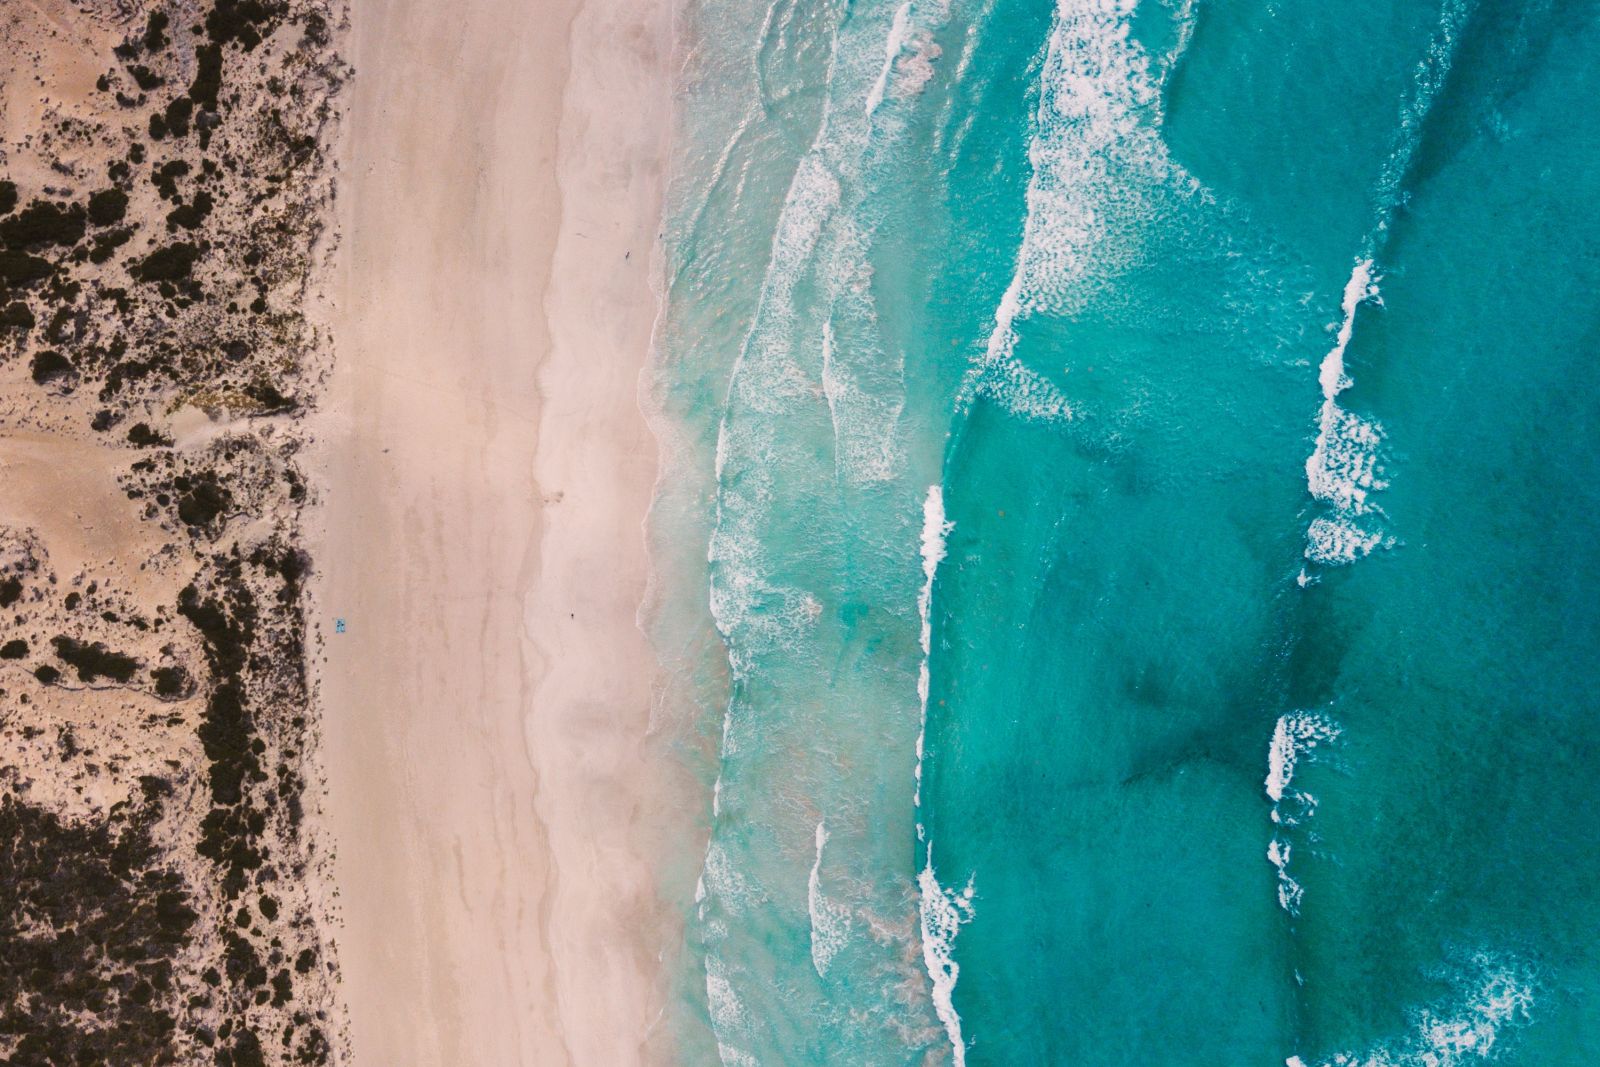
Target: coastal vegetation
{"type": "Point", "coordinates": [158, 239]}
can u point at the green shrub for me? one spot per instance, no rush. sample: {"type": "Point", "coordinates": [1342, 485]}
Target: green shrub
{"type": "Point", "coordinates": [94, 661]}
{"type": "Point", "coordinates": [50, 366]}
{"type": "Point", "coordinates": [108, 206]}
{"type": "Point", "coordinates": [169, 264]}
{"type": "Point", "coordinates": [20, 268]}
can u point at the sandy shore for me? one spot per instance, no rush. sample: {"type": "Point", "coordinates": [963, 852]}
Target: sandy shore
{"type": "Point", "coordinates": [484, 472]}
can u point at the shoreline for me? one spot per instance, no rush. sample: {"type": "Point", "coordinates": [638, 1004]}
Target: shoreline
{"type": "Point", "coordinates": [597, 464]}
{"type": "Point", "coordinates": [485, 471]}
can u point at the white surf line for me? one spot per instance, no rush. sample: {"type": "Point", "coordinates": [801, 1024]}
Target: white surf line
{"type": "Point", "coordinates": [1343, 466]}
{"type": "Point", "coordinates": [1097, 117]}
{"type": "Point", "coordinates": [1183, 19]}
{"type": "Point", "coordinates": [1343, 470]}
{"type": "Point", "coordinates": [1497, 997]}
{"type": "Point", "coordinates": [829, 919]}
{"type": "Point", "coordinates": [940, 913]}
{"type": "Point", "coordinates": [1296, 735]}
{"type": "Point", "coordinates": [819, 957]}
{"type": "Point", "coordinates": [909, 52]}
{"type": "Point", "coordinates": [899, 33]}
{"type": "Point", "coordinates": [935, 529]}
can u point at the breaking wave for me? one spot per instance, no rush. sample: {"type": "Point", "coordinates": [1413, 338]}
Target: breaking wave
{"type": "Point", "coordinates": [1294, 738]}
{"type": "Point", "coordinates": [1344, 467]}
{"type": "Point", "coordinates": [1097, 157]}
{"type": "Point", "coordinates": [1495, 998]}
{"type": "Point", "coordinates": [829, 920]}
{"type": "Point", "coordinates": [942, 913]}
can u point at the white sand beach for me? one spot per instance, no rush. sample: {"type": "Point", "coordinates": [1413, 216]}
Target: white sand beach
{"type": "Point", "coordinates": [484, 474]}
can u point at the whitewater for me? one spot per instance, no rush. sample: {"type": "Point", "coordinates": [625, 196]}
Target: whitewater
{"type": "Point", "coordinates": [1122, 553]}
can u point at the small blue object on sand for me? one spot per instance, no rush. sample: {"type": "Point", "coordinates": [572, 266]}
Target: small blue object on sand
{"type": "Point", "coordinates": [338, 626]}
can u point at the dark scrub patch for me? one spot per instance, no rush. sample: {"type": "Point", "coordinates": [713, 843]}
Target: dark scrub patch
{"type": "Point", "coordinates": [17, 316]}
{"type": "Point", "coordinates": [50, 367]}
{"type": "Point", "coordinates": [201, 499]}
{"type": "Point", "coordinates": [94, 661]}
{"type": "Point", "coordinates": [169, 264]}
{"type": "Point", "coordinates": [42, 223]}
{"type": "Point", "coordinates": [90, 924]}
{"type": "Point", "coordinates": [107, 207]}
{"type": "Point", "coordinates": [142, 436]}
{"type": "Point", "coordinates": [22, 269]}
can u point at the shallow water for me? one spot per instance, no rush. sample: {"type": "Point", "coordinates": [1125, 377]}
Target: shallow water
{"type": "Point", "coordinates": [1125, 530]}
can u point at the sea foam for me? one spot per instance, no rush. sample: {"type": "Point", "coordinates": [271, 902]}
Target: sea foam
{"type": "Point", "coordinates": [1344, 468]}
{"type": "Point", "coordinates": [909, 55]}
{"type": "Point", "coordinates": [812, 365]}
{"type": "Point", "coordinates": [728, 1015]}
{"type": "Point", "coordinates": [942, 914]}
{"type": "Point", "coordinates": [1294, 737]}
{"type": "Point", "coordinates": [1097, 158]}
{"type": "Point", "coordinates": [829, 919]}
{"type": "Point", "coordinates": [1494, 997]}
{"type": "Point", "coordinates": [941, 911]}
{"type": "Point", "coordinates": [826, 346]}
{"type": "Point", "coordinates": [935, 529]}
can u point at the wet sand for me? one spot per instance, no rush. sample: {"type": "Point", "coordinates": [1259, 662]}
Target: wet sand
{"type": "Point", "coordinates": [485, 471]}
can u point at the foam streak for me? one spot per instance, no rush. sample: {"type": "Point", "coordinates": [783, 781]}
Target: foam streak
{"type": "Point", "coordinates": [1343, 468]}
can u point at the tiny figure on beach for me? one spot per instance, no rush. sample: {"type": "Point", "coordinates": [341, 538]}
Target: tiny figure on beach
{"type": "Point", "coordinates": [338, 626]}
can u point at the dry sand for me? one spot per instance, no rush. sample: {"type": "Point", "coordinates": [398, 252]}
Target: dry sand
{"type": "Point", "coordinates": [154, 362]}
{"type": "Point", "coordinates": [484, 473]}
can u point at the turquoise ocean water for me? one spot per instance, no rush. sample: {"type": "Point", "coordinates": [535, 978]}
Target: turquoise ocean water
{"type": "Point", "coordinates": [1126, 552]}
